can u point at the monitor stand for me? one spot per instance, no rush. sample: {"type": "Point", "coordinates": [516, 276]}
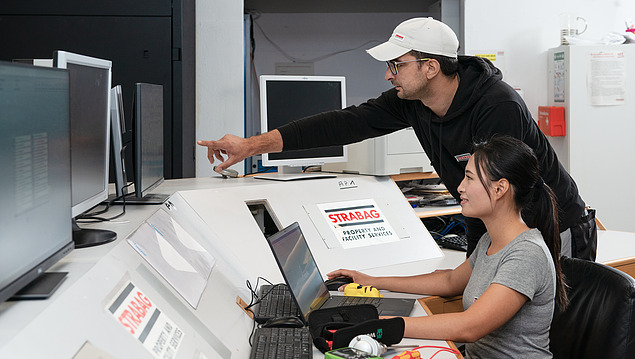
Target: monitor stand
{"type": "Point", "coordinates": [293, 173]}
{"type": "Point", "coordinates": [41, 287]}
{"type": "Point", "coordinates": [90, 237]}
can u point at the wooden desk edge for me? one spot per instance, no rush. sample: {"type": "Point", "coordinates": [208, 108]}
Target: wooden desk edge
{"type": "Point", "coordinates": [626, 265]}
{"type": "Point", "coordinates": [619, 262]}
{"type": "Point", "coordinates": [422, 302]}
{"type": "Point", "coordinates": [440, 211]}
{"type": "Point", "coordinates": [414, 176]}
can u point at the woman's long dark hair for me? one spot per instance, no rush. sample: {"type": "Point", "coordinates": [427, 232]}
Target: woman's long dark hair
{"type": "Point", "coordinates": [509, 158]}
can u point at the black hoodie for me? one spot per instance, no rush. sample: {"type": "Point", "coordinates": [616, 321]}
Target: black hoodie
{"type": "Point", "coordinates": [483, 105]}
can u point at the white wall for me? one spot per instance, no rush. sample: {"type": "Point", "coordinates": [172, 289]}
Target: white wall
{"type": "Point", "coordinates": [219, 74]}
{"type": "Point", "coordinates": [526, 30]}
{"type": "Point", "coordinates": [526, 40]}
{"type": "Point", "coordinates": [309, 36]}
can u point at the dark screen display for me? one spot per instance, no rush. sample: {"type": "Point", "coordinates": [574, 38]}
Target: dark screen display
{"type": "Point", "coordinates": [35, 216]}
{"type": "Point", "coordinates": [89, 94]}
{"type": "Point", "coordinates": [299, 268]}
{"type": "Point", "coordinates": [289, 100]}
{"type": "Point", "coordinates": [148, 137]}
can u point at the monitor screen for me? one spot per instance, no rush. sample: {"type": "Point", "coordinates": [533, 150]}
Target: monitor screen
{"type": "Point", "coordinates": [117, 130]}
{"type": "Point", "coordinates": [148, 139]}
{"type": "Point", "coordinates": [299, 268]}
{"type": "Point", "coordinates": [90, 80]}
{"type": "Point", "coordinates": [284, 99]}
{"type": "Point", "coordinates": [35, 179]}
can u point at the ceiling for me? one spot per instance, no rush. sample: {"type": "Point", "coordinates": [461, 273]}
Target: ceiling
{"type": "Point", "coordinates": [341, 6]}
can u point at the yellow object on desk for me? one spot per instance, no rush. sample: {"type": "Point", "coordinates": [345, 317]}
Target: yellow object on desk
{"type": "Point", "coordinates": [358, 290]}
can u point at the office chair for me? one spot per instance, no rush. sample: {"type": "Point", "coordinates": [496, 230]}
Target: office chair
{"type": "Point", "coordinates": [599, 320]}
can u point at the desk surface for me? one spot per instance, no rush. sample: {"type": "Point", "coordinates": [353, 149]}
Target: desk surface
{"type": "Point", "coordinates": [59, 326]}
{"type": "Point", "coordinates": [75, 315]}
{"type": "Point", "coordinates": [615, 245]}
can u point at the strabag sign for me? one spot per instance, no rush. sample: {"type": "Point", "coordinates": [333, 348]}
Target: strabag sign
{"type": "Point", "coordinates": [140, 317]}
{"type": "Point", "coordinates": [358, 223]}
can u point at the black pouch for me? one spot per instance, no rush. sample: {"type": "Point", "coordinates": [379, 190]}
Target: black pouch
{"type": "Point", "coordinates": [584, 237]}
{"type": "Point", "coordinates": [323, 322]}
{"type": "Point", "coordinates": [334, 328]}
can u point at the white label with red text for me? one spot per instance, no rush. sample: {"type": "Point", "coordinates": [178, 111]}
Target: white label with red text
{"type": "Point", "coordinates": [140, 317]}
{"type": "Point", "coordinates": [358, 223]}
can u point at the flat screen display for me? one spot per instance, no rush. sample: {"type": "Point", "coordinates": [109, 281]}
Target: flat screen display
{"type": "Point", "coordinates": [90, 80]}
{"type": "Point", "coordinates": [148, 134]}
{"type": "Point", "coordinates": [299, 268]}
{"type": "Point", "coordinates": [35, 216]}
{"type": "Point", "coordinates": [284, 99]}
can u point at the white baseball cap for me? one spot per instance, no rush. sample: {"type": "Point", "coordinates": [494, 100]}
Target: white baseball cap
{"type": "Point", "coordinates": [423, 34]}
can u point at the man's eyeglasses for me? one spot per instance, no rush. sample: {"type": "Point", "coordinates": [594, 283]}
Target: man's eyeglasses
{"type": "Point", "coordinates": [394, 65]}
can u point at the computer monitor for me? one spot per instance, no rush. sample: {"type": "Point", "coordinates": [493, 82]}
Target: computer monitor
{"type": "Point", "coordinates": [90, 83]}
{"type": "Point", "coordinates": [284, 99]}
{"type": "Point", "coordinates": [148, 144]}
{"type": "Point", "coordinates": [35, 216]}
{"type": "Point", "coordinates": [117, 131]}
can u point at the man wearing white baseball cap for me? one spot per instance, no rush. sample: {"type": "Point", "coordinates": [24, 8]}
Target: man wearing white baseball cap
{"type": "Point", "coordinates": [451, 102]}
{"type": "Point", "coordinates": [439, 39]}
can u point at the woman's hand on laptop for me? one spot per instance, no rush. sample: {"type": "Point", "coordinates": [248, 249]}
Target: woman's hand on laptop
{"type": "Point", "coordinates": [357, 277]}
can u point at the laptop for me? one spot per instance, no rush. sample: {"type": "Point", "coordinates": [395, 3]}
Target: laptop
{"type": "Point", "coordinates": [305, 281]}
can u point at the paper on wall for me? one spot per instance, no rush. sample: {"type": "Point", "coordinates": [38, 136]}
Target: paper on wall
{"type": "Point", "coordinates": [606, 78]}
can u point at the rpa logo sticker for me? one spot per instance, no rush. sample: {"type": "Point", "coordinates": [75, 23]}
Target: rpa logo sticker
{"type": "Point", "coordinates": [463, 158]}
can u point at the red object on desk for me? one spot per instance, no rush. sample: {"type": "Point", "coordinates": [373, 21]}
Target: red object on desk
{"type": "Point", "coordinates": [551, 120]}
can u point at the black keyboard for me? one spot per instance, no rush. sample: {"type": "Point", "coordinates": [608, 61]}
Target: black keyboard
{"type": "Point", "coordinates": [274, 343]}
{"type": "Point", "coordinates": [453, 241]}
{"type": "Point", "coordinates": [278, 303]}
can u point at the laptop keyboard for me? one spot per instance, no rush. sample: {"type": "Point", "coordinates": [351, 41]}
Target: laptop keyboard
{"type": "Point", "coordinates": [282, 343]}
{"type": "Point", "coordinates": [278, 303]}
{"type": "Point", "coordinates": [360, 300]}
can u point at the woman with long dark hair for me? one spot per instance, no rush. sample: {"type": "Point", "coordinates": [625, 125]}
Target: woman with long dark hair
{"type": "Point", "coordinates": [512, 282]}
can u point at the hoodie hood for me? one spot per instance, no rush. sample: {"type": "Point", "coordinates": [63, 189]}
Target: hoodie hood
{"type": "Point", "coordinates": [476, 75]}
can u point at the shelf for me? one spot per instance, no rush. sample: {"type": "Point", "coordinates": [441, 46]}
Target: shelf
{"type": "Point", "coordinates": [414, 176]}
{"type": "Point", "coordinates": [427, 212]}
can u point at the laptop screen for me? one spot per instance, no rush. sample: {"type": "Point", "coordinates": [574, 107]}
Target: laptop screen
{"type": "Point", "coordinates": [299, 268]}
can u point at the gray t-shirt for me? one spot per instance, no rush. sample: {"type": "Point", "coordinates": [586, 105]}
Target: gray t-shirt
{"type": "Point", "coordinates": [524, 265]}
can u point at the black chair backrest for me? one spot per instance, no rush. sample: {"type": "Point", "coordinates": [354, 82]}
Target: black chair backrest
{"type": "Point", "coordinates": [598, 322]}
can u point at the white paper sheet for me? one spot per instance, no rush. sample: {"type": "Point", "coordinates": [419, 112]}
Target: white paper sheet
{"type": "Point", "coordinates": [606, 78]}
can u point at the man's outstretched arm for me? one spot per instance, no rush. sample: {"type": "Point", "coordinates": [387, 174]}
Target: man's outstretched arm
{"type": "Point", "coordinates": [237, 149]}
